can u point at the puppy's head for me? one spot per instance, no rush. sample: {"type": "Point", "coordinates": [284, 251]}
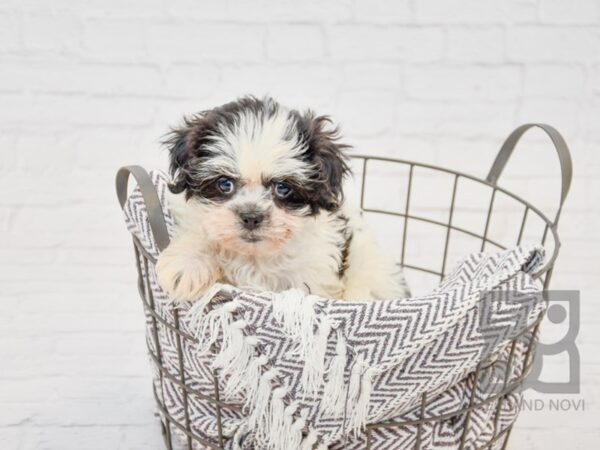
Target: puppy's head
{"type": "Point", "coordinates": [257, 172]}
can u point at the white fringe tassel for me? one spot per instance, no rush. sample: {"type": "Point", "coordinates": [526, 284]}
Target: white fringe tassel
{"type": "Point", "coordinates": [244, 372]}
{"type": "Point", "coordinates": [197, 309]}
{"type": "Point", "coordinates": [272, 421]}
{"type": "Point", "coordinates": [314, 359]}
{"type": "Point", "coordinates": [259, 406]}
{"type": "Point", "coordinates": [359, 395]}
{"type": "Point", "coordinates": [295, 310]}
{"type": "Point", "coordinates": [209, 327]}
{"type": "Point", "coordinates": [252, 379]}
{"type": "Point", "coordinates": [310, 440]}
{"type": "Point", "coordinates": [295, 437]}
{"type": "Point", "coordinates": [334, 393]}
{"type": "Point", "coordinates": [288, 422]}
{"type": "Point", "coordinates": [277, 424]}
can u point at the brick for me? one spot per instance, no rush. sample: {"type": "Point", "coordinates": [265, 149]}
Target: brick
{"type": "Point", "coordinates": [146, 437]}
{"type": "Point", "coordinates": [191, 80]}
{"type": "Point", "coordinates": [81, 78]}
{"type": "Point", "coordinates": [292, 11]}
{"type": "Point", "coordinates": [534, 439]}
{"type": "Point", "coordinates": [51, 32]}
{"type": "Point", "coordinates": [11, 437]}
{"type": "Point", "coordinates": [42, 6]}
{"type": "Point", "coordinates": [457, 119]}
{"type": "Point", "coordinates": [123, 300]}
{"type": "Point", "coordinates": [98, 344]}
{"type": "Point", "coordinates": [595, 78]}
{"type": "Point", "coordinates": [475, 11]}
{"type": "Point", "coordinates": [476, 44]}
{"type": "Point", "coordinates": [553, 81]}
{"type": "Point", "coordinates": [365, 113]}
{"type": "Point", "coordinates": [415, 148]}
{"type": "Point", "coordinates": [295, 43]}
{"type": "Point", "coordinates": [548, 44]}
{"type": "Point", "coordinates": [565, 11]}
{"type": "Point", "coordinates": [40, 111]}
{"type": "Point", "coordinates": [12, 414]}
{"type": "Point", "coordinates": [9, 32]}
{"type": "Point", "coordinates": [397, 11]}
{"type": "Point", "coordinates": [22, 109]}
{"type": "Point", "coordinates": [114, 39]}
{"type": "Point", "coordinates": [136, 9]}
{"type": "Point", "coordinates": [7, 153]}
{"type": "Point", "coordinates": [32, 152]}
{"type": "Point", "coordinates": [87, 217]}
{"type": "Point", "coordinates": [71, 438]}
{"type": "Point", "coordinates": [19, 191]}
{"type": "Point", "coordinates": [372, 75]}
{"type": "Point", "coordinates": [193, 42]}
{"type": "Point", "coordinates": [376, 43]}
{"type": "Point", "coordinates": [81, 256]}
{"type": "Point", "coordinates": [577, 224]}
{"type": "Point", "coordinates": [27, 257]}
{"type": "Point", "coordinates": [202, 9]}
{"type": "Point", "coordinates": [115, 111]}
{"type": "Point", "coordinates": [469, 82]}
{"type": "Point", "coordinates": [474, 156]}
{"type": "Point", "coordinates": [589, 128]}
{"type": "Point", "coordinates": [117, 80]}
{"type": "Point", "coordinates": [96, 150]}
{"type": "Point", "coordinates": [39, 325]}
{"type": "Point", "coordinates": [5, 217]}
{"type": "Point", "coordinates": [26, 390]}
{"type": "Point", "coordinates": [312, 82]}
{"type": "Point", "coordinates": [562, 114]}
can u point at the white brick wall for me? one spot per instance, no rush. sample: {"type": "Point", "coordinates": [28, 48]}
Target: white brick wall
{"type": "Point", "coordinates": [88, 86]}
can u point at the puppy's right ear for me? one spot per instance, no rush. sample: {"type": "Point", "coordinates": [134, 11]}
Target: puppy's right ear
{"type": "Point", "coordinates": [177, 142]}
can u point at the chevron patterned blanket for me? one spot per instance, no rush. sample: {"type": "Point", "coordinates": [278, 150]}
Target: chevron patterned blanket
{"type": "Point", "coordinates": [312, 373]}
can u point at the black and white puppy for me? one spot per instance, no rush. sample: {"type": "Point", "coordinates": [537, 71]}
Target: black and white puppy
{"type": "Point", "coordinates": [258, 200]}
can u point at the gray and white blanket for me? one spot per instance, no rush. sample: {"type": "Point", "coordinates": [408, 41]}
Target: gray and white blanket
{"type": "Point", "coordinates": [312, 373]}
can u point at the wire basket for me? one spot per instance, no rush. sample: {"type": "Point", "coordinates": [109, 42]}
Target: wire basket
{"type": "Point", "coordinates": [410, 218]}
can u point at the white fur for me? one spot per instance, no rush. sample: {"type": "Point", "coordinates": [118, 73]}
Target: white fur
{"type": "Point", "coordinates": [294, 249]}
{"type": "Point", "coordinates": [304, 262]}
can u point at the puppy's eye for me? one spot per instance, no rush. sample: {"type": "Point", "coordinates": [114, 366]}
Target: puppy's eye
{"type": "Point", "coordinates": [225, 185]}
{"type": "Point", "coordinates": [282, 190]}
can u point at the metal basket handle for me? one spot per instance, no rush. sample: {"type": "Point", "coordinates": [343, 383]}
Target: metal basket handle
{"type": "Point", "coordinates": [564, 156]}
{"type": "Point", "coordinates": [153, 206]}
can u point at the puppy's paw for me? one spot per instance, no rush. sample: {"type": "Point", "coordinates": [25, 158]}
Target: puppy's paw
{"type": "Point", "coordinates": [185, 278]}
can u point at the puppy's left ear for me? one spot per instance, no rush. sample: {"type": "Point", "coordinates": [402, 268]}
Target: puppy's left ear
{"type": "Point", "coordinates": [179, 154]}
{"type": "Point", "coordinates": [328, 156]}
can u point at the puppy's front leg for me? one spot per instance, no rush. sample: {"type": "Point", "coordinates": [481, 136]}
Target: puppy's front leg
{"type": "Point", "coordinates": [185, 269]}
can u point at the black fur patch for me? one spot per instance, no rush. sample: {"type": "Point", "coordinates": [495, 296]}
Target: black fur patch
{"type": "Point", "coordinates": [189, 144]}
{"type": "Point", "coordinates": [189, 147]}
{"type": "Point", "coordinates": [345, 249]}
{"type": "Point", "coordinates": [326, 154]}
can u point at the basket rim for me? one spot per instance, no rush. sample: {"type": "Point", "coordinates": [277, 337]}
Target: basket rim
{"type": "Point", "coordinates": [550, 225]}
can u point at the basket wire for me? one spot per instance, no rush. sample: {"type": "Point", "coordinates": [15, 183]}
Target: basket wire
{"type": "Point", "coordinates": [499, 439]}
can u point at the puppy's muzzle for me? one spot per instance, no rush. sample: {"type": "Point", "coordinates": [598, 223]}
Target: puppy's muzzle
{"type": "Point", "coordinates": [251, 220]}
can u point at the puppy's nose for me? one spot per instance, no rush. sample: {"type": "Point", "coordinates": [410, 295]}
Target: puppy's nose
{"type": "Point", "coordinates": [251, 220]}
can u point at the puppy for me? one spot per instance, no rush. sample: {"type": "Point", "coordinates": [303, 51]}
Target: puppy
{"type": "Point", "coordinates": [257, 197]}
